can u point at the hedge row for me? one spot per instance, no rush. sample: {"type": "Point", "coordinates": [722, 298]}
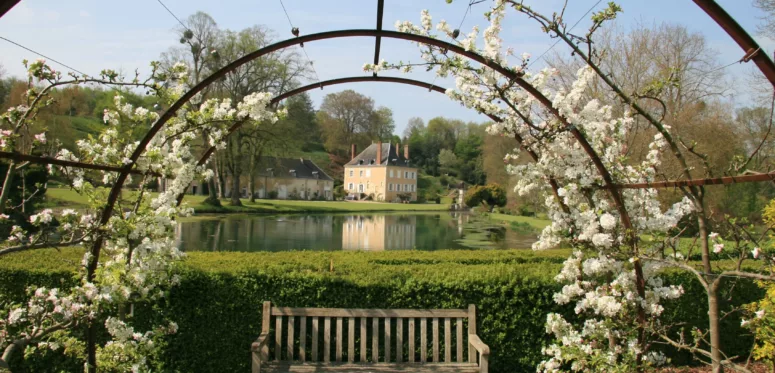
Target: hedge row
{"type": "Point", "coordinates": [218, 303]}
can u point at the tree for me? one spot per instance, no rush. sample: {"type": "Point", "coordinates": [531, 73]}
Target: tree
{"type": "Point", "coordinates": [413, 127]}
{"type": "Point", "coordinates": [275, 73]}
{"type": "Point", "coordinates": [491, 195]}
{"type": "Point", "coordinates": [767, 27]}
{"type": "Point", "coordinates": [448, 162]}
{"type": "Point", "coordinates": [198, 39]}
{"type": "Point", "coordinates": [302, 117]}
{"type": "Point", "coordinates": [382, 125]}
{"type": "Point", "coordinates": [349, 117]}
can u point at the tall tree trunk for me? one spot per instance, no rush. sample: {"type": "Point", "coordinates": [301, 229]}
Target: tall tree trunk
{"type": "Point", "coordinates": [252, 179]}
{"type": "Point", "coordinates": [221, 184]}
{"type": "Point", "coordinates": [235, 192]}
{"type": "Point", "coordinates": [252, 185]}
{"type": "Point", "coordinates": [212, 196]}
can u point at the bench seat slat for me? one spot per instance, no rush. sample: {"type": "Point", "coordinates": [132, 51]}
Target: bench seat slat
{"type": "Point", "coordinates": [358, 312]}
{"type": "Point", "coordinates": [369, 367]}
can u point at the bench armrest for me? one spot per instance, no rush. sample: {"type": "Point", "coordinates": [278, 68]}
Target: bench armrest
{"type": "Point", "coordinates": [260, 342]}
{"type": "Point", "coordinates": [474, 340]}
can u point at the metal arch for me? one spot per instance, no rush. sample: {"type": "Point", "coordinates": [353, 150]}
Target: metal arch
{"type": "Point", "coordinates": [325, 83]}
{"type": "Point", "coordinates": [506, 72]}
{"type": "Point", "coordinates": [750, 47]}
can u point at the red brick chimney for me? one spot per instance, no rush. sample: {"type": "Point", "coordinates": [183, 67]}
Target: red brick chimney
{"type": "Point", "coordinates": [379, 152]}
{"type": "Point", "coordinates": [352, 152]}
{"type": "Point", "coordinates": [406, 151]}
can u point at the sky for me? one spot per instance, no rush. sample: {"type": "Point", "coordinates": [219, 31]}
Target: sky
{"type": "Point", "coordinates": [91, 35]}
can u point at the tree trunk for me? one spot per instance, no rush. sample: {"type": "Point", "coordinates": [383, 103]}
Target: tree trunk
{"type": "Point", "coordinates": [221, 181]}
{"type": "Point", "coordinates": [7, 186]}
{"type": "Point", "coordinates": [252, 186]}
{"type": "Point", "coordinates": [235, 192]}
{"type": "Point", "coordinates": [713, 307]}
{"type": "Point", "coordinates": [715, 328]}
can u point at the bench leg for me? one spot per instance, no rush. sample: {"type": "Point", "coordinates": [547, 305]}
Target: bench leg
{"type": "Point", "coordinates": [484, 363]}
{"type": "Point", "coordinates": [256, 358]}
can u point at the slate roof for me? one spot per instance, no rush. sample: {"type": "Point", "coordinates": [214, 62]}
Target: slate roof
{"type": "Point", "coordinates": [281, 167]}
{"type": "Point", "coordinates": [389, 152]}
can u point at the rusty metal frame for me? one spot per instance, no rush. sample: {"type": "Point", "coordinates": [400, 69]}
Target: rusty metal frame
{"type": "Point", "coordinates": [6, 5]}
{"type": "Point", "coordinates": [747, 43]}
{"type": "Point", "coordinates": [378, 39]}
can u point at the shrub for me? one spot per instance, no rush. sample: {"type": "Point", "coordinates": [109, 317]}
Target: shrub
{"type": "Point", "coordinates": [491, 195]}
{"type": "Point", "coordinates": [272, 194]}
{"type": "Point", "coordinates": [218, 303]}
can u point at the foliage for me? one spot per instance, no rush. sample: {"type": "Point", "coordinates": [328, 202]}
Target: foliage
{"type": "Point", "coordinates": [131, 248]}
{"type": "Point", "coordinates": [491, 195]}
{"type": "Point", "coordinates": [512, 289]}
{"type": "Point", "coordinates": [349, 117]}
{"type": "Point", "coordinates": [762, 324]}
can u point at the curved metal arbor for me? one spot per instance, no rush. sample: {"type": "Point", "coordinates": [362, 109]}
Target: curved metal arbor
{"type": "Point", "coordinates": [747, 43]}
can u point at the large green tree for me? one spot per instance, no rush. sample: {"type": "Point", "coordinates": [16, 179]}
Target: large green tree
{"type": "Point", "coordinates": [349, 117]}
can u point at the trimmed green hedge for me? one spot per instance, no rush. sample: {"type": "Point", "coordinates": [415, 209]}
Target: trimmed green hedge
{"type": "Point", "coordinates": [218, 303]}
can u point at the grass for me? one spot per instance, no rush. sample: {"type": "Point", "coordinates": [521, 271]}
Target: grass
{"type": "Point", "coordinates": [533, 222]}
{"type": "Point", "coordinates": [62, 197]}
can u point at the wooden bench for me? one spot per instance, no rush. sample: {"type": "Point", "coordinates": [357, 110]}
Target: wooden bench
{"type": "Point", "coordinates": [368, 340]}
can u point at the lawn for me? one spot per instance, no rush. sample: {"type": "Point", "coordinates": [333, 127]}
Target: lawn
{"type": "Point", "coordinates": [534, 222]}
{"type": "Point", "coordinates": [62, 197]}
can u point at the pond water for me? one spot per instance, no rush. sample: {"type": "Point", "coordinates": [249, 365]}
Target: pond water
{"type": "Point", "coordinates": [368, 232]}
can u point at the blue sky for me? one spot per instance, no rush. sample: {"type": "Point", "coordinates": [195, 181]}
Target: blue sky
{"type": "Point", "coordinates": [90, 35]}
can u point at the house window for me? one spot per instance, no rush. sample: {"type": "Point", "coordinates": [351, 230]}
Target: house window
{"type": "Point", "coordinates": [351, 186]}
{"type": "Point", "coordinates": [360, 173]}
{"type": "Point", "coordinates": [412, 175]}
{"type": "Point", "coordinates": [360, 188]}
{"type": "Point", "coordinates": [406, 187]}
{"type": "Point", "coordinates": [351, 173]}
{"type": "Point", "coordinates": [390, 187]}
{"type": "Point", "coordinates": [406, 175]}
{"type": "Point", "coordinates": [368, 173]}
{"type": "Point", "coordinates": [391, 173]}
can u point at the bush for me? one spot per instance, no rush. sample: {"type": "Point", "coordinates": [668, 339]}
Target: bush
{"type": "Point", "coordinates": [491, 195]}
{"type": "Point", "coordinates": [218, 303]}
{"type": "Point", "coordinates": [272, 194]}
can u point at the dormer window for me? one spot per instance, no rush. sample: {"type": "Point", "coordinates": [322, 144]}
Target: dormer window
{"type": "Point", "coordinates": [315, 174]}
{"type": "Point", "coordinates": [371, 161]}
{"type": "Point", "coordinates": [293, 173]}
{"type": "Point", "coordinates": [395, 160]}
{"type": "Point", "coordinates": [270, 171]}
{"type": "Point", "coordinates": [360, 161]}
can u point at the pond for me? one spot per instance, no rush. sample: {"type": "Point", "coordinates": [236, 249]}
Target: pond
{"type": "Point", "coordinates": [368, 232]}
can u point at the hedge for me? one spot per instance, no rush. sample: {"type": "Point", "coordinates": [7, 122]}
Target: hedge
{"type": "Point", "coordinates": [218, 303]}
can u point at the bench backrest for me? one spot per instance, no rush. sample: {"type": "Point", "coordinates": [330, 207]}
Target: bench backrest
{"type": "Point", "coordinates": [368, 335]}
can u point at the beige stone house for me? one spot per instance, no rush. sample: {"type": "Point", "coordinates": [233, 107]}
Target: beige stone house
{"type": "Point", "coordinates": [289, 178]}
{"type": "Point", "coordinates": [382, 172]}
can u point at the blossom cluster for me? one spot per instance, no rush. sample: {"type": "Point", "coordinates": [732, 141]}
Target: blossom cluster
{"type": "Point", "coordinates": [138, 250]}
{"type": "Point", "coordinates": [580, 147]}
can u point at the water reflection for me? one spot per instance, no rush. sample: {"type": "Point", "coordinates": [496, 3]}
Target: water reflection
{"type": "Point", "coordinates": [379, 232]}
{"type": "Point", "coordinates": [370, 232]}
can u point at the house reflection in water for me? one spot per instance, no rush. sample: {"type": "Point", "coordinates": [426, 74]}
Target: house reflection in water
{"type": "Point", "coordinates": [379, 232]}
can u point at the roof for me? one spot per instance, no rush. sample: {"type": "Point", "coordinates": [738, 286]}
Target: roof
{"type": "Point", "coordinates": [282, 167]}
{"type": "Point", "coordinates": [368, 157]}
